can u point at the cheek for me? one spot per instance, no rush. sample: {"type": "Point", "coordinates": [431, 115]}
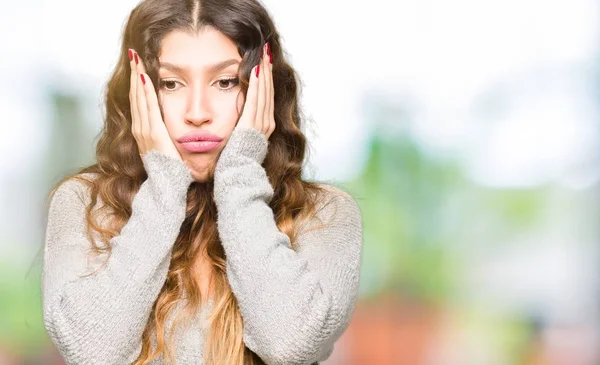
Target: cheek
{"type": "Point", "coordinates": [228, 107]}
{"type": "Point", "coordinates": [173, 108]}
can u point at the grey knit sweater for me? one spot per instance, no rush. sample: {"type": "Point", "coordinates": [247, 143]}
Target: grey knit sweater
{"type": "Point", "coordinates": [295, 303]}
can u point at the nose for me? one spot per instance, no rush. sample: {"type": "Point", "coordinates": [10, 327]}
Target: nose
{"type": "Point", "coordinates": [198, 109]}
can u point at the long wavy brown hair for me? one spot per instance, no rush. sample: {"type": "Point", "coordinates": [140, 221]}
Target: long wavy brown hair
{"type": "Point", "coordinates": [119, 172]}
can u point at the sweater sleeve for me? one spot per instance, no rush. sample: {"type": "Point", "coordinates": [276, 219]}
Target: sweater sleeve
{"type": "Point", "coordinates": [295, 304]}
{"type": "Point", "coordinates": [99, 319]}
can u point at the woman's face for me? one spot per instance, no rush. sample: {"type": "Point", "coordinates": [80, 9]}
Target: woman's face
{"type": "Point", "coordinates": [198, 91]}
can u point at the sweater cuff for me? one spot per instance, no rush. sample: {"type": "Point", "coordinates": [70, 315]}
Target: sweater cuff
{"type": "Point", "coordinates": [167, 173]}
{"type": "Point", "coordinates": [247, 142]}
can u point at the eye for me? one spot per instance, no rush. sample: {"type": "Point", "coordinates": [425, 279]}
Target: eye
{"type": "Point", "coordinates": [168, 85]}
{"type": "Point", "coordinates": [228, 84]}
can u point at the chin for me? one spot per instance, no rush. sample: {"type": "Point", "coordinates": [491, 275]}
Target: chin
{"type": "Point", "coordinates": [202, 179]}
{"type": "Point", "coordinates": [201, 175]}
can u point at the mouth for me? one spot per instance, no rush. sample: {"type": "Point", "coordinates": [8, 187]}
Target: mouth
{"type": "Point", "coordinates": [200, 146]}
{"type": "Point", "coordinates": [198, 141]}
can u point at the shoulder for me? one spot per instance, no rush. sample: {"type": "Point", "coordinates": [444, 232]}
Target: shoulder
{"type": "Point", "coordinates": [336, 207]}
{"type": "Point", "coordinates": [334, 198]}
{"type": "Point", "coordinates": [333, 191]}
{"type": "Point", "coordinates": [73, 189]}
{"type": "Point", "coordinates": [335, 229]}
{"type": "Point", "coordinates": [68, 204]}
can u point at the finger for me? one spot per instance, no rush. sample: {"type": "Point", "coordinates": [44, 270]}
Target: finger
{"type": "Point", "coordinates": [267, 83]}
{"type": "Point", "coordinates": [272, 112]}
{"type": "Point", "coordinates": [154, 116]}
{"type": "Point", "coordinates": [146, 127]}
{"type": "Point", "coordinates": [249, 111]}
{"type": "Point", "coordinates": [272, 109]}
{"type": "Point", "coordinates": [142, 106]}
{"type": "Point", "coordinates": [266, 92]}
{"type": "Point", "coordinates": [270, 98]}
{"type": "Point", "coordinates": [146, 83]}
{"type": "Point", "coordinates": [135, 120]}
{"type": "Point", "coordinates": [260, 102]}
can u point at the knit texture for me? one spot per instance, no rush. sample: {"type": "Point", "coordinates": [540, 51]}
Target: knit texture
{"type": "Point", "coordinates": [295, 303]}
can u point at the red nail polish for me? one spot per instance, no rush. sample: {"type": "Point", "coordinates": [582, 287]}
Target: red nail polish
{"type": "Point", "coordinates": [136, 58]}
{"type": "Point", "coordinates": [130, 54]}
{"type": "Point", "coordinates": [143, 79]}
{"type": "Point", "coordinates": [271, 58]}
{"type": "Point", "coordinates": [268, 48]}
{"type": "Point", "coordinates": [257, 70]}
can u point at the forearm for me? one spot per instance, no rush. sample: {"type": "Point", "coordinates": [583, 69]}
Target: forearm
{"type": "Point", "coordinates": [293, 308]}
{"type": "Point", "coordinates": [100, 318]}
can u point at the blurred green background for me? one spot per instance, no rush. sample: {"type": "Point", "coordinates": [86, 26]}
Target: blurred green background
{"type": "Point", "coordinates": [467, 132]}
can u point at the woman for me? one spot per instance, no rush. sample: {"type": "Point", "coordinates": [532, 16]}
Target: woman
{"type": "Point", "coordinates": [194, 239]}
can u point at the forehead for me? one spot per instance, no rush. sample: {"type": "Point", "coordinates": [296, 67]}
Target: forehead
{"type": "Point", "coordinates": [204, 48]}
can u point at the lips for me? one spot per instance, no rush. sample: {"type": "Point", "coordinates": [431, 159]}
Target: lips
{"type": "Point", "coordinates": [199, 141]}
{"type": "Point", "coordinates": [196, 136]}
{"type": "Point", "coordinates": [200, 146]}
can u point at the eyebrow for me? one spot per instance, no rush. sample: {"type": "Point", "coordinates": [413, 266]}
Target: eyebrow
{"type": "Point", "coordinates": [211, 69]}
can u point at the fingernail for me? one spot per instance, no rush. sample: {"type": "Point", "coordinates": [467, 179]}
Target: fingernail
{"type": "Point", "coordinates": [271, 58]}
{"type": "Point", "coordinates": [268, 49]}
{"type": "Point", "coordinates": [257, 70]}
{"type": "Point", "coordinates": [143, 79]}
{"type": "Point", "coordinates": [136, 58]}
{"type": "Point", "coordinates": [130, 52]}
